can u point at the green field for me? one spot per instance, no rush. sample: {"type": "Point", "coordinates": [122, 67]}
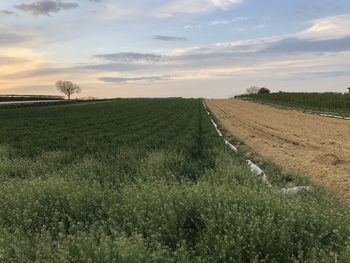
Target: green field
{"type": "Point", "coordinates": [148, 180]}
{"type": "Point", "coordinates": [335, 103]}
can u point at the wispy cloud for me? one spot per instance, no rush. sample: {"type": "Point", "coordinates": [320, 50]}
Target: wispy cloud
{"type": "Point", "coordinates": [196, 6]}
{"type": "Point", "coordinates": [228, 21]}
{"type": "Point", "coordinates": [130, 57]}
{"type": "Point", "coordinates": [260, 26]}
{"type": "Point", "coordinates": [169, 38]}
{"type": "Point", "coordinates": [122, 80]}
{"type": "Point", "coordinates": [9, 37]}
{"type": "Point", "coordinates": [45, 7]}
{"type": "Point", "coordinates": [7, 12]}
{"type": "Point", "coordinates": [12, 60]}
{"type": "Point", "coordinates": [316, 6]}
{"type": "Point", "coordinates": [321, 74]}
{"type": "Point", "coordinates": [15, 36]}
{"type": "Point", "coordinates": [298, 45]}
{"type": "Point", "coordinates": [193, 26]}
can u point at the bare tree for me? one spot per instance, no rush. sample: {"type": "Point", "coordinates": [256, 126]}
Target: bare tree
{"type": "Point", "coordinates": [67, 87]}
{"type": "Point", "coordinates": [253, 90]}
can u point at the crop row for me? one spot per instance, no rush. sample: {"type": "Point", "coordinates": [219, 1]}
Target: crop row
{"type": "Point", "coordinates": [336, 103]}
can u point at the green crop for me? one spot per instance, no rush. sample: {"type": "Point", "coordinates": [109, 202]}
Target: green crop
{"type": "Point", "coordinates": [335, 103]}
{"type": "Point", "coordinates": [147, 180]}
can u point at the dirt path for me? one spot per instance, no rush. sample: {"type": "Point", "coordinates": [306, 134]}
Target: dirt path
{"type": "Point", "coordinates": [303, 143]}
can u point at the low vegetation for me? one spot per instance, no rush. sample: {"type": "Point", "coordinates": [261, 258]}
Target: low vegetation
{"type": "Point", "coordinates": [336, 103]}
{"type": "Point", "coordinates": [147, 181]}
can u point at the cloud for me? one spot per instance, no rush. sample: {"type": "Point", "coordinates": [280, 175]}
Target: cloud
{"type": "Point", "coordinates": [43, 70]}
{"type": "Point", "coordinates": [317, 6]}
{"type": "Point", "coordinates": [330, 34]}
{"type": "Point", "coordinates": [7, 12]}
{"type": "Point", "coordinates": [260, 26]}
{"type": "Point", "coordinates": [169, 38]}
{"type": "Point", "coordinates": [130, 57]}
{"type": "Point", "coordinates": [193, 26]}
{"type": "Point", "coordinates": [229, 21]}
{"type": "Point", "coordinates": [223, 57]}
{"type": "Point", "coordinates": [225, 3]}
{"type": "Point", "coordinates": [7, 38]}
{"type": "Point", "coordinates": [159, 9]}
{"type": "Point", "coordinates": [296, 51]}
{"type": "Point", "coordinates": [122, 80]}
{"type": "Point", "coordinates": [297, 45]}
{"type": "Point", "coordinates": [321, 74]}
{"type": "Point", "coordinates": [15, 60]}
{"type": "Point", "coordinates": [17, 36]}
{"type": "Point", "coordinates": [329, 27]}
{"type": "Point", "coordinates": [113, 67]}
{"type": "Point", "coordinates": [11, 60]}
{"type": "Point", "coordinates": [311, 54]}
{"type": "Point", "coordinates": [45, 7]}
{"type": "Point", "coordinates": [196, 6]}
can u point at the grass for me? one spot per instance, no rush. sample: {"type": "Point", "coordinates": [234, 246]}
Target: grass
{"type": "Point", "coordinates": [147, 180]}
{"type": "Point", "coordinates": [334, 103]}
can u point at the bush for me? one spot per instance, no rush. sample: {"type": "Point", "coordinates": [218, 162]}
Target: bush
{"type": "Point", "coordinates": [263, 91]}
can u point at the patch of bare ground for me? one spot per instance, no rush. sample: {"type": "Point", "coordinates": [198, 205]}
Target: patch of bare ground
{"type": "Point", "coordinates": [307, 144]}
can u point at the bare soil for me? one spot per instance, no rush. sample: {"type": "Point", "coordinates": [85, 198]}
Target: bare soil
{"type": "Point", "coordinates": [306, 144]}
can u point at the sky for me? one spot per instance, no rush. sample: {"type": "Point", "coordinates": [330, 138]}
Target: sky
{"type": "Point", "coordinates": [174, 48]}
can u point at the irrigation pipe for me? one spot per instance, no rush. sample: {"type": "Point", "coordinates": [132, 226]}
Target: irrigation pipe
{"type": "Point", "coordinates": [256, 169]}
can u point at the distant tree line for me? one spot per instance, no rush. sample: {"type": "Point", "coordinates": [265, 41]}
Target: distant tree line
{"type": "Point", "coordinates": [257, 90]}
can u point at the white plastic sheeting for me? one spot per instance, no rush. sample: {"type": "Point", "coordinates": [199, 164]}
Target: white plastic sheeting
{"type": "Point", "coordinates": [287, 191]}
{"type": "Point", "coordinates": [215, 125]}
{"type": "Point", "coordinates": [334, 116]}
{"type": "Point", "coordinates": [217, 129]}
{"type": "Point", "coordinates": [295, 190]}
{"type": "Point", "coordinates": [323, 114]}
{"type": "Point", "coordinates": [233, 148]}
{"type": "Point", "coordinates": [254, 168]}
{"type": "Point", "coordinates": [260, 173]}
{"type": "Point", "coordinates": [205, 106]}
{"type": "Point", "coordinates": [219, 132]}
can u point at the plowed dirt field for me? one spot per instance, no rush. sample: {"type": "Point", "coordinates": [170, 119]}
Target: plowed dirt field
{"type": "Point", "coordinates": [307, 144]}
